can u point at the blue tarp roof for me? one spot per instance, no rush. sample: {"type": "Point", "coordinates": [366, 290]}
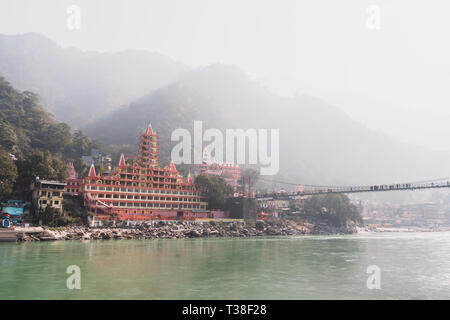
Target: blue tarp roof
{"type": "Point", "coordinates": [14, 211]}
{"type": "Point", "coordinates": [15, 201]}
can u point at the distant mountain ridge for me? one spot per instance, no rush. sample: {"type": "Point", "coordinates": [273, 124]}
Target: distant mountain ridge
{"type": "Point", "coordinates": [79, 86]}
{"type": "Point", "coordinates": [318, 142]}
{"type": "Point", "coordinates": [113, 96]}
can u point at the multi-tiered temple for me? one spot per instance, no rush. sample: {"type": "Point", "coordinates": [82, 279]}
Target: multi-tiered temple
{"type": "Point", "coordinates": [142, 190]}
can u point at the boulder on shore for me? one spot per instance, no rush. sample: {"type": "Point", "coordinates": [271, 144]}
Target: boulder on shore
{"type": "Point", "coordinates": [177, 230]}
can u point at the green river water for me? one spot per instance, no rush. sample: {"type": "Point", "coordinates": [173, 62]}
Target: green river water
{"type": "Point", "coordinates": [412, 266]}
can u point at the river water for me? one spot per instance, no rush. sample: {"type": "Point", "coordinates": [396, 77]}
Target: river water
{"type": "Point", "coordinates": [412, 266]}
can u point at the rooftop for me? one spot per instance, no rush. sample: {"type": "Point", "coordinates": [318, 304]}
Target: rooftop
{"type": "Point", "coordinates": [51, 182]}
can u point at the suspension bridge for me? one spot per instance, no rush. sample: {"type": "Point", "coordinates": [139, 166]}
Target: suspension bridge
{"type": "Point", "coordinates": [308, 190]}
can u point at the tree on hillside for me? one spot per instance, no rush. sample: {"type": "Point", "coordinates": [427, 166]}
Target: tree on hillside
{"type": "Point", "coordinates": [56, 137]}
{"type": "Point", "coordinates": [215, 189]}
{"type": "Point", "coordinates": [8, 173]}
{"type": "Point", "coordinates": [42, 164]}
{"type": "Point", "coordinates": [81, 167]}
{"type": "Point", "coordinates": [9, 138]}
{"type": "Point", "coordinates": [336, 208]}
{"type": "Point", "coordinates": [25, 125]}
{"type": "Point", "coordinates": [116, 150]}
{"type": "Point", "coordinates": [81, 144]}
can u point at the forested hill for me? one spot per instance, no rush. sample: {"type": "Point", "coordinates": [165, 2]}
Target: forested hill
{"type": "Point", "coordinates": [25, 125]}
{"type": "Point", "coordinates": [78, 86]}
{"type": "Point", "coordinates": [319, 143]}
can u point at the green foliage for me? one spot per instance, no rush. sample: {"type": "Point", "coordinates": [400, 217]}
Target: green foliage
{"type": "Point", "coordinates": [9, 138]}
{"type": "Point", "coordinates": [81, 167]}
{"type": "Point", "coordinates": [55, 137]}
{"type": "Point", "coordinates": [42, 164]}
{"type": "Point", "coordinates": [73, 214]}
{"type": "Point", "coordinates": [81, 144]}
{"type": "Point", "coordinates": [116, 150]}
{"type": "Point", "coordinates": [336, 208]}
{"type": "Point", "coordinates": [53, 218]}
{"type": "Point", "coordinates": [215, 189]}
{"type": "Point", "coordinates": [74, 208]}
{"type": "Point", "coordinates": [25, 126]}
{"type": "Point", "coordinates": [8, 173]}
{"type": "Point", "coordinates": [100, 169]}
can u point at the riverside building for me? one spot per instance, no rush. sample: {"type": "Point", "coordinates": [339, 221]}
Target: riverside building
{"type": "Point", "coordinates": [141, 190]}
{"type": "Point", "coordinates": [231, 173]}
{"type": "Point", "coordinates": [47, 193]}
{"type": "Point", "coordinates": [73, 182]}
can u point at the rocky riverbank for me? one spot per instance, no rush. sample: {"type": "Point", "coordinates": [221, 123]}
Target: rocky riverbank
{"type": "Point", "coordinates": [177, 230]}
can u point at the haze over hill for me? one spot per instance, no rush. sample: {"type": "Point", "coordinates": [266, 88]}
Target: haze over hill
{"type": "Point", "coordinates": [319, 143]}
{"type": "Point", "coordinates": [26, 127]}
{"type": "Point", "coordinates": [78, 86]}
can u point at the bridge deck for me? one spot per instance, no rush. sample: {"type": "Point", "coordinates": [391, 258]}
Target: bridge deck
{"type": "Point", "coordinates": [357, 189]}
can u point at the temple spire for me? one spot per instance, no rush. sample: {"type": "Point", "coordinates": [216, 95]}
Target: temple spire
{"type": "Point", "coordinates": [91, 173]}
{"type": "Point", "coordinates": [122, 161]}
{"type": "Point", "coordinates": [72, 173]}
{"type": "Point", "coordinates": [149, 130]}
{"type": "Point", "coordinates": [189, 178]}
{"type": "Point", "coordinates": [172, 166]}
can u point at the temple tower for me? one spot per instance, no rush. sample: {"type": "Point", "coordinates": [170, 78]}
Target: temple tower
{"type": "Point", "coordinates": [148, 148]}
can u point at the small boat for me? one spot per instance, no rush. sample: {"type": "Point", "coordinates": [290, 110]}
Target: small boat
{"type": "Point", "coordinates": [6, 223]}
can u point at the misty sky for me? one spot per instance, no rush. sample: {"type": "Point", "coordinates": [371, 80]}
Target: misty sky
{"type": "Point", "coordinates": [395, 79]}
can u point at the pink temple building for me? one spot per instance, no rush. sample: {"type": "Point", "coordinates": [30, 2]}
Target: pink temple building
{"type": "Point", "coordinates": [143, 190]}
{"type": "Point", "coordinates": [231, 173]}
